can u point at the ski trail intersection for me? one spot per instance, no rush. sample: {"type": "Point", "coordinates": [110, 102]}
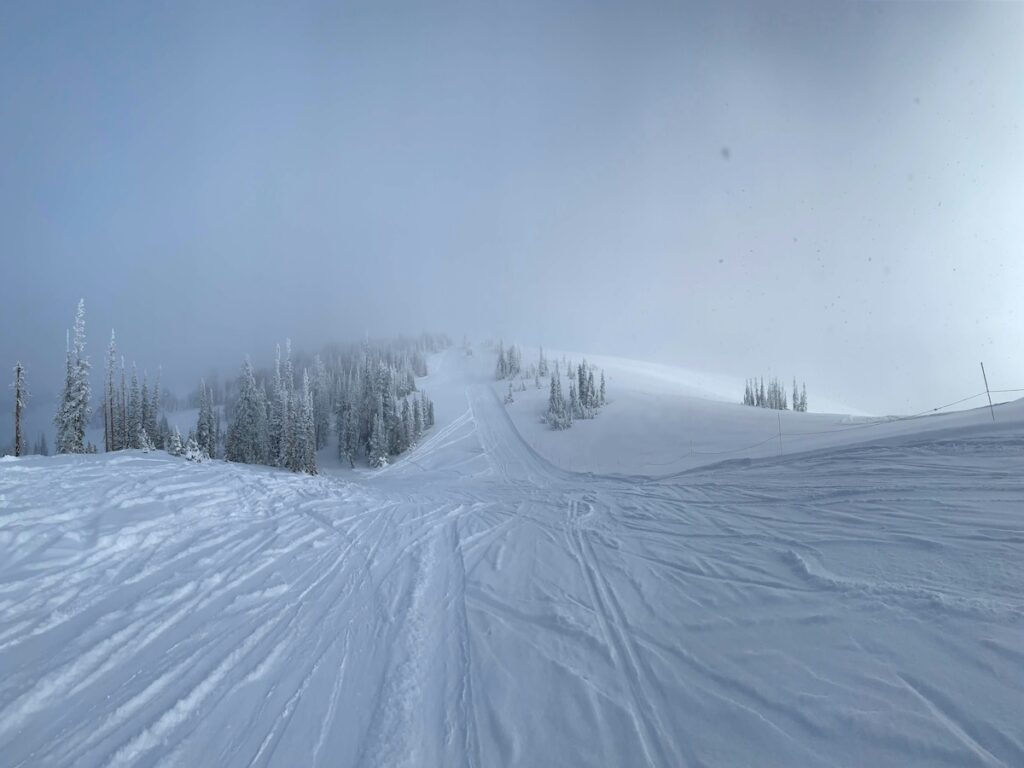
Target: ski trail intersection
{"type": "Point", "coordinates": [475, 605]}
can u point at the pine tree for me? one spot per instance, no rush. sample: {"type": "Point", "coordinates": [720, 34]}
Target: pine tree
{"type": "Point", "coordinates": [556, 415]}
{"type": "Point", "coordinates": [145, 407]}
{"type": "Point", "coordinates": [193, 451]}
{"type": "Point", "coordinates": [243, 439]}
{"type": "Point", "coordinates": [306, 437]}
{"type": "Point", "coordinates": [378, 454]}
{"type": "Point", "coordinates": [205, 428]}
{"type": "Point", "coordinates": [42, 449]}
{"type": "Point", "coordinates": [153, 428]}
{"type": "Point", "coordinates": [408, 425]}
{"type": "Point", "coordinates": [123, 406]}
{"type": "Point", "coordinates": [602, 388]}
{"type": "Point", "coordinates": [275, 423]}
{"type": "Point", "coordinates": [803, 398]}
{"type": "Point", "coordinates": [111, 438]}
{"type": "Point", "coordinates": [322, 401]}
{"type": "Point", "coordinates": [501, 367]}
{"type": "Point", "coordinates": [20, 399]}
{"type": "Point", "coordinates": [163, 433]}
{"type": "Point", "coordinates": [417, 419]}
{"type": "Point", "coordinates": [73, 413]}
{"type": "Point", "coordinates": [174, 444]}
{"type": "Point", "coordinates": [134, 411]}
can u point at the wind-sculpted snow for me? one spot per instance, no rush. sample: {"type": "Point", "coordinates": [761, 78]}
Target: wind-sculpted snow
{"type": "Point", "coordinates": [474, 605]}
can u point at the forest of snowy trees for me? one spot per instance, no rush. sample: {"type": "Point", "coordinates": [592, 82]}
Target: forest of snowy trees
{"type": "Point", "coordinates": [774, 395]}
{"type": "Point", "coordinates": [364, 394]}
{"type": "Point", "coordinates": [368, 393]}
{"type": "Point", "coordinates": [586, 392]}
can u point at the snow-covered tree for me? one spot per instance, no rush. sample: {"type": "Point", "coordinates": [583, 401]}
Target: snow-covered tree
{"type": "Point", "coordinates": [134, 410]}
{"type": "Point", "coordinates": [206, 430]}
{"type": "Point", "coordinates": [417, 420]}
{"type": "Point", "coordinates": [244, 440]}
{"type": "Point", "coordinates": [144, 442]}
{"type": "Point", "coordinates": [174, 445]}
{"type": "Point", "coordinates": [306, 426]}
{"type": "Point", "coordinates": [557, 415]}
{"type": "Point", "coordinates": [20, 399]}
{"type": "Point", "coordinates": [193, 451]}
{"type": "Point", "coordinates": [321, 401]}
{"type": "Point", "coordinates": [378, 454]}
{"type": "Point", "coordinates": [276, 413]}
{"type": "Point", "coordinates": [73, 412]}
{"type": "Point", "coordinates": [111, 434]}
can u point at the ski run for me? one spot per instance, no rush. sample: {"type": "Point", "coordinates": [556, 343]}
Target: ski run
{"type": "Point", "coordinates": [857, 603]}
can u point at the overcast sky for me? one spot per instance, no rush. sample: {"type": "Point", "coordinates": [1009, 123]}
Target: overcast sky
{"type": "Point", "coordinates": [829, 190]}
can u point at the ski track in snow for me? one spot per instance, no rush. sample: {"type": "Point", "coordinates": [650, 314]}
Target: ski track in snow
{"type": "Point", "coordinates": [474, 605]}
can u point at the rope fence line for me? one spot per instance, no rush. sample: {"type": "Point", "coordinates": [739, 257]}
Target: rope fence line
{"type": "Point", "coordinates": [875, 422]}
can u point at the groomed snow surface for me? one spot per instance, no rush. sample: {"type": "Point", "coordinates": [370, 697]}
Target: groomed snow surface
{"type": "Point", "coordinates": [476, 604]}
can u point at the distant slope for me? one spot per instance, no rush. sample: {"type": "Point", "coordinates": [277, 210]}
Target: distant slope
{"type": "Point", "coordinates": [660, 420]}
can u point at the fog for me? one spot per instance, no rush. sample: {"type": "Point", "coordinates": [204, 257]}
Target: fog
{"type": "Point", "coordinates": [831, 191]}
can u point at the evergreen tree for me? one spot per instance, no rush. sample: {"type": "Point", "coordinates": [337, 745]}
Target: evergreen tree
{"type": "Point", "coordinates": [42, 449]}
{"type": "Point", "coordinates": [73, 413]}
{"type": "Point", "coordinates": [417, 419]}
{"type": "Point", "coordinates": [205, 427]}
{"type": "Point", "coordinates": [243, 439]}
{"type": "Point", "coordinates": [378, 454]}
{"type": "Point", "coordinates": [123, 407]}
{"type": "Point", "coordinates": [145, 406]}
{"type": "Point", "coordinates": [408, 426]}
{"type": "Point", "coordinates": [154, 429]}
{"type": "Point", "coordinates": [322, 401]}
{"type": "Point", "coordinates": [174, 444]}
{"type": "Point", "coordinates": [275, 422]}
{"type": "Point", "coordinates": [111, 433]}
{"type": "Point", "coordinates": [20, 399]}
{"type": "Point", "coordinates": [348, 436]}
{"type": "Point", "coordinates": [193, 452]}
{"type": "Point", "coordinates": [556, 415]}
{"type": "Point", "coordinates": [501, 367]}
{"type": "Point", "coordinates": [306, 437]}
{"type": "Point", "coordinates": [134, 411]}
{"type": "Point", "coordinates": [602, 388]}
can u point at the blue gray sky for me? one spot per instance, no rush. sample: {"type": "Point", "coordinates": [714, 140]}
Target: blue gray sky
{"type": "Point", "coordinates": [832, 190]}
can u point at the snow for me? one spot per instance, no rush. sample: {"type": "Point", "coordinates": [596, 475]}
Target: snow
{"type": "Point", "coordinates": [858, 602]}
{"type": "Point", "coordinates": [662, 420]}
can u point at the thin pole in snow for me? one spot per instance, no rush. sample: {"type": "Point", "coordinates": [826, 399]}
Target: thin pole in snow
{"type": "Point", "coordinates": [987, 392]}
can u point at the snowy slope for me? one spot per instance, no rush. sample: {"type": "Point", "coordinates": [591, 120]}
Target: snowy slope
{"type": "Point", "coordinates": [475, 604]}
{"type": "Point", "coordinates": [663, 419]}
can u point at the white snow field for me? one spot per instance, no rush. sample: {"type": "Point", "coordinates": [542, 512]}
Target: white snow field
{"type": "Point", "coordinates": [475, 604]}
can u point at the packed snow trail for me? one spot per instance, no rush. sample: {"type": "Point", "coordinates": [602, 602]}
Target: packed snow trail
{"type": "Point", "coordinates": [475, 605]}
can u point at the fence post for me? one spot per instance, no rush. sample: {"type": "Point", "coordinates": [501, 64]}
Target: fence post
{"type": "Point", "coordinates": [991, 410]}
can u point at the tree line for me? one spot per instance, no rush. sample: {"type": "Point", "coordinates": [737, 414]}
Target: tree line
{"type": "Point", "coordinates": [365, 394]}
{"type": "Point", "coordinates": [774, 395]}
